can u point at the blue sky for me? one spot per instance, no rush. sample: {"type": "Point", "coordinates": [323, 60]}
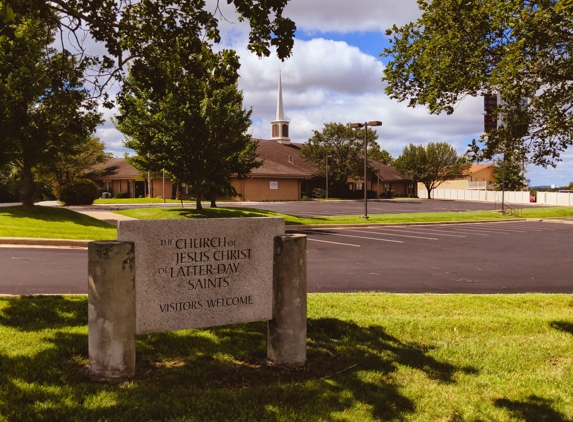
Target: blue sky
{"type": "Point", "coordinates": [334, 75]}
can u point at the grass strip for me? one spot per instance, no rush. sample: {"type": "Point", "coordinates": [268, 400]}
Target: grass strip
{"type": "Point", "coordinates": [227, 212]}
{"type": "Point", "coordinates": [128, 201]}
{"type": "Point", "coordinates": [546, 212]}
{"type": "Point", "coordinates": [52, 223]}
{"type": "Point", "coordinates": [370, 357]}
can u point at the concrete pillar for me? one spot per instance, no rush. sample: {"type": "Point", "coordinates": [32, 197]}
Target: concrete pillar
{"type": "Point", "coordinates": [286, 340]}
{"type": "Point", "coordinates": [111, 309]}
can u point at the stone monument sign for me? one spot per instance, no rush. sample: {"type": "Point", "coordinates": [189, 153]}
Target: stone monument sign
{"type": "Point", "coordinates": [203, 272]}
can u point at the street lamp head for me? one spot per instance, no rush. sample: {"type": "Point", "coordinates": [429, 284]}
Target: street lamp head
{"type": "Point", "coordinates": [375, 123]}
{"type": "Point", "coordinates": [356, 125]}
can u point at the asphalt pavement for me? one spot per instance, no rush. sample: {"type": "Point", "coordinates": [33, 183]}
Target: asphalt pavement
{"type": "Point", "coordinates": [494, 257]}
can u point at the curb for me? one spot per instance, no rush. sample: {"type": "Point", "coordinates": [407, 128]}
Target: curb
{"type": "Point", "coordinates": [292, 228]}
{"type": "Point", "coordinates": [288, 229]}
{"type": "Point", "coordinates": [70, 243]}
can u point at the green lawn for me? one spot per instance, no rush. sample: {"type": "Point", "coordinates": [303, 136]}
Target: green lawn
{"type": "Point", "coordinates": [52, 223]}
{"type": "Point", "coordinates": [371, 357]}
{"type": "Point", "coordinates": [61, 223]}
{"type": "Point", "coordinates": [127, 201]}
{"type": "Point", "coordinates": [225, 212]}
{"type": "Point", "coordinates": [547, 212]}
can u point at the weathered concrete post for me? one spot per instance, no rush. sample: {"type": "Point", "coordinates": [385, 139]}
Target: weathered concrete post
{"type": "Point", "coordinates": [111, 309]}
{"type": "Point", "coordinates": [286, 340]}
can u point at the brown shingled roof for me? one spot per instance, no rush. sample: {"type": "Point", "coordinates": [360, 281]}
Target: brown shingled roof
{"type": "Point", "coordinates": [116, 168]}
{"type": "Point", "coordinates": [281, 160]}
{"type": "Point", "coordinates": [387, 173]}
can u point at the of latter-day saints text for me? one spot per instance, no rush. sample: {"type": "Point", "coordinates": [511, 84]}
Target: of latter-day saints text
{"type": "Point", "coordinates": [205, 263]}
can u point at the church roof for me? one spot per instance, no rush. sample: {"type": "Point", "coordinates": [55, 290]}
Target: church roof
{"type": "Point", "coordinates": [281, 160]}
{"type": "Point", "coordinates": [113, 169]}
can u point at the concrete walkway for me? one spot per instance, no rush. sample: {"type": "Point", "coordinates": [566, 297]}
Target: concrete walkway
{"type": "Point", "coordinates": [107, 216]}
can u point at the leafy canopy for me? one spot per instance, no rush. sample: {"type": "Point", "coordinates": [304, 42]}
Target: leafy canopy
{"type": "Point", "coordinates": [44, 107]}
{"type": "Point", "coordinates": [192, 124]}
{"type": "Point", "coordinates": [134, 30]}
{"type": "Point", "coordinates": [520, 49]}
{"type": "Point", "coordinates": [508, 174]}
{"type": "Point", "coordinates": [344, 147]}
{"type": "Point", "coordinates": [431, 165]}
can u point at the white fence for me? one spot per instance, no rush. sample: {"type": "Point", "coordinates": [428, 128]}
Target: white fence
{"type": "Point", "coordinates": [555, 198]}
{"type": "Point", "coordinates": [477, 195]}
{"type": "Point", "coordinates": [546, 198]}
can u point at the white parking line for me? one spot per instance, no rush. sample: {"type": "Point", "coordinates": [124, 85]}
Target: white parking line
{"type": "Point", "coordinates": [334, 243]}
{"type": "Point", "coordinates": [362, 237]}
{"type": "Point", "coordinates": [415, 230]}
{"type": "Point", "coordinates": [393, 234]}
{"type": "Point", "coordinates": [473, 230]}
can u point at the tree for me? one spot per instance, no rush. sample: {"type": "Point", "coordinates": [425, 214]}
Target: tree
{"type": "Point", "coordinates": [508, 174]}
{"type": "Point", "coordinates": [66, 166]}
{"type": "Point", "coordinates": [345, 147]}
{"type": "Point", "coordinates": [375, 153]}
{"type": "Point", "coordinates": [192, 124]}
{"type": "Point", "coordinates": [520, 49]}
{"type": "Point", "coordinates": [132, 31]}
{"type": "Point", "coordinates": [431, 165]}
{"type": "Point", "coordinates": [44, 107]}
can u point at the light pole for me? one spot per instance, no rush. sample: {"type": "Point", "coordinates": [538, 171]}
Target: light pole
{"type": "Point", "coordinates": [365, 126]}
{"type": "Point", "coordinates": [327, 176]}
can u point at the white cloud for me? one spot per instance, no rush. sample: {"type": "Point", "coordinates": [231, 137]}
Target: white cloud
{"type": "Point", "coordinates": [350, 16]}
{"type": "Point", "coordinates": [342, 16]}
{"type": "Point", "coordinates": [331, 81]}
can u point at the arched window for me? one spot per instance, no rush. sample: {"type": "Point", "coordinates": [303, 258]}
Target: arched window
{"type": "Point", "coordinates": [275, 131]}
{"type": "Point", "coordinates": [285, 131]}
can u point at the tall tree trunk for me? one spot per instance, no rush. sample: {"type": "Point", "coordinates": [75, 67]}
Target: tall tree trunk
{"type": "Point", "coordinates": [429, 194]}
{"type": "Point", "coordinates": [198, 204]}
{"type": "Point", "coordinates": [213, 197]}
{"type": "Point", "coordinates": [28, 186]}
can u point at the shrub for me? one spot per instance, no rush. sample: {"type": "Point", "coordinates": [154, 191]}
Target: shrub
{"type": "Point", "coordinates": [120, 195]}
{"type": "Point", "coordinates": [79, 192]}
{"type": "Point", "coordinates": [7, 194]}
{"type": "Point", "coordinates": [319, 193]}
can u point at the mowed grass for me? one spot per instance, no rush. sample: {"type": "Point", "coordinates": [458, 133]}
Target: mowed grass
{"type": "Point", "coordinates": [52, 223]}
{"type": "Point", "coordinates": [547, 212]}
{"type": "Point", "coordinates": [371, 357]}
{"type": "Point", "coordinates": [226, 212]}
{"type": "Point", "coordinates": [61, 223]}
{"type": "Point", "coordinates": [127, 201]}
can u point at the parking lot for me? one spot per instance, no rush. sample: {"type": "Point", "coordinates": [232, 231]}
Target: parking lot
{"type": "Point", "coordinates": [378, 206]}
{"type": "Point", "coordinates": [504, 257]}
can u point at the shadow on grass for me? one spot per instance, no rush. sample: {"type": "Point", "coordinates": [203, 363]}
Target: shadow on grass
{"type": "Point", "coordinates": [36, 313]}
{"type": "Point", "coordinates": [562, 326]}
{"type": "Point", "coordinates": [212, 374]}
{"type": "Point", "coordinates": [534, 409]}
{"type": "Point", "coordinates": [53, 215]}
{"type": "Point", "coordinates": [230, 212]}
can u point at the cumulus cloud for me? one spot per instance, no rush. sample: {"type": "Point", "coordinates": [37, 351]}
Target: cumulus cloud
{"type": "Point", "coordinates": [350, 16]}
{"type": "Point", "coordinates": [332, 81]}
{"type": "Point", "coordinates": [340, 16]}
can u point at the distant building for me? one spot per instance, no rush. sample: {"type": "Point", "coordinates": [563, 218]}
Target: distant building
{"type": "Point", "coordinates": [284, 175]}
{"type": "Point", "coordinates": [478, 176]}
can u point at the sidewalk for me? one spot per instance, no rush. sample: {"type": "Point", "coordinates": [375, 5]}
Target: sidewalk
{"type": "Point", "coordinates": [107, 216]}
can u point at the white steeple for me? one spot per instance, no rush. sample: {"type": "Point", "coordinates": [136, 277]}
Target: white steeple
{"type": "Point", "coordinates": [280, 111]}
{"type": "Point", "coordinates": [279, 127]}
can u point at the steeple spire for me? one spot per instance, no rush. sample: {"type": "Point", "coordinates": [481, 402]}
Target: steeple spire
{"type": "Point", "coordinates": [279, 127]}
{"type": "Point", "coordinates": [280, 111]}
